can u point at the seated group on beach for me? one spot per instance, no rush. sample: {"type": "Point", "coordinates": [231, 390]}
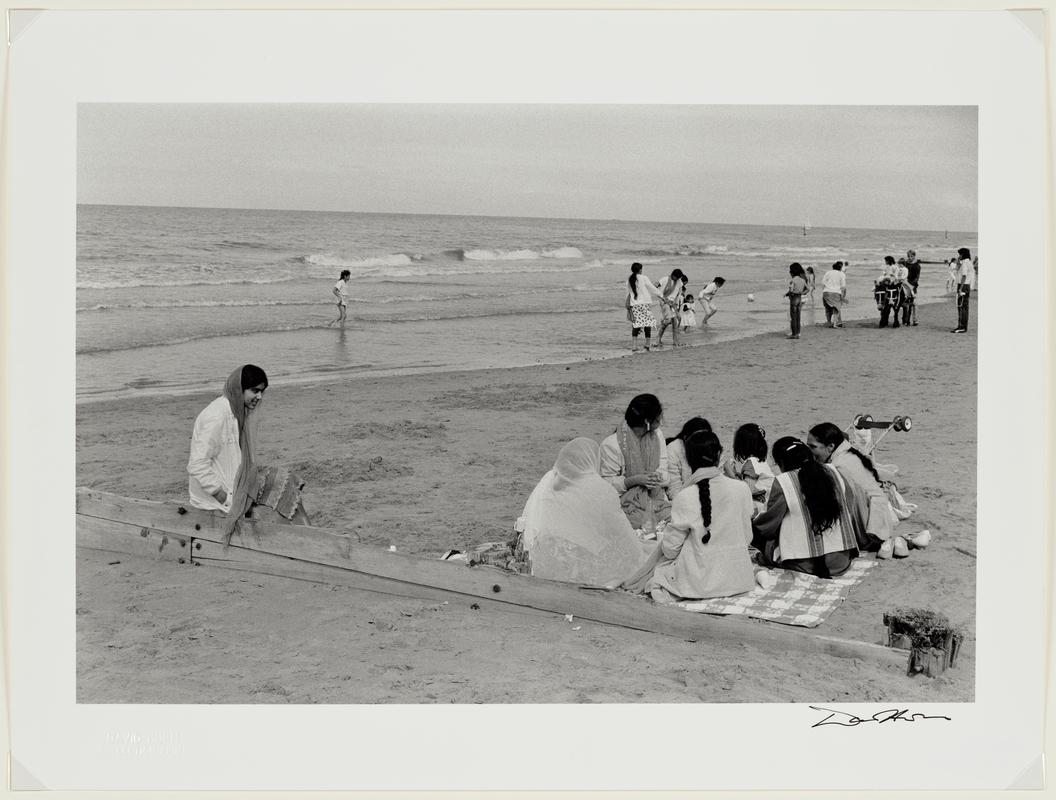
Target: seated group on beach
{"type": "Point", "coordinates": [716, 521]}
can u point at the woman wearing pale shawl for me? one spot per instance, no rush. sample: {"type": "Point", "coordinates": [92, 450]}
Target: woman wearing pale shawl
{"type": "Point", "coordinates": [222, 465]}
{"type": "Point", "coordinates": [704, 549]}
{"type": "Point", "coordinates": [574, 528]}
{"type": "Point", "coordinates": [811, 522]}
{"type": "Point", "coordinates": [634, 461]}
{"type": "Point", "coordinates": [830, 446]}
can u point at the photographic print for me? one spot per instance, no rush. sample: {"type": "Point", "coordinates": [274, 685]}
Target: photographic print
{"type": "Point", "coordinates": [493, 391]}
{"type": "Point", "coordinates": [451, 311]}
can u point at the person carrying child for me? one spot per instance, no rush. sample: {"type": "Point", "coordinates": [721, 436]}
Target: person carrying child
{"type": "Point", "coordinates": [670, 304]}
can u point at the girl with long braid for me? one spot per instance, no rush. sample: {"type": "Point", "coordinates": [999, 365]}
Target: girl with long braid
{"type": "Point", "coordinates": [704, 549]}
{"type": "Point", "coordinates": [830, 446]}
{"type": "Point", "coordinates": [811, 520]}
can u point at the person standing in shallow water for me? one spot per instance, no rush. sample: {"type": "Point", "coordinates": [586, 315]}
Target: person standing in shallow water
{"type": "Point", "coordinates": [671, 293]}
{"type": "Point", "coordinates": [340, 291]}
{"type": "Point", "coordinates": [222, 466]}
{"type": "Point", "coordinates": [639, 304]}
{"type": "Point", "coordinates": [797, 287]}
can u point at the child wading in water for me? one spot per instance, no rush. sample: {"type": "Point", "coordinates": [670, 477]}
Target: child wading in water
{"type": "Point", "coordinates": [340, 292]}
{"type": "Point", "coordinates": [707, 294]}
{"type": "Point", "coordinates": [688, 316]}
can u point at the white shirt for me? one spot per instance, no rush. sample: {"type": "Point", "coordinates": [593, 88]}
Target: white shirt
{"type": "Point", "coordinates": [341, 288]}
{"type": "Point", "coordinates": [834, 281]}
{"type": "Point", "coordinates": [215, 456]}
{"type": "Point", "coordinates": [708, 292]}
{"type": "Point", "coordinates": [966, 272]}
{"type": "Point", "coordinates": [646, 291]}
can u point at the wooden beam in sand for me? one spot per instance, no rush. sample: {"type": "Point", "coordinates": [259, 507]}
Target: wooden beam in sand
{"type": "Point", "coordinates": [321, 546]}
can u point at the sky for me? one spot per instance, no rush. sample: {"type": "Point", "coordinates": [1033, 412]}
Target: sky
{"type": "Point", "coordinates": [899, 167]}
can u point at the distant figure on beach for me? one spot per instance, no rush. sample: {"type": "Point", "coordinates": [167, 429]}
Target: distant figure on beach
{"type": "Point", "coordinates": [797, 287]}
{"type": "Point", "coordinates": [889, 294]}
{"type": "Point", "coordinates": [811, 518]}
{"type": "Point", "coordinates": [340, 291]}
{"type": "Point", "coordinates": [830, 446]}
{"type": "Point", "coordinates": [706, 298]}
{"type": "Point", "coordinates": [573, 526]}
{"type": "Point", "coordinates": [671, 293]}
{"type": "Point", "coordinates": [951, 276]}
{"type": "Point", "coordinates": [639, 303]}
{"type": "Point", "coordinates": [749, 463]}
{"type": "Point", "coordinates": [912, 265]}
{"type": "Point", "coordinates": [678, 470]}
{"type": "Point", "coordinates": [634, 461]}
{"type": "Point", "coordinates": [704, 548]}
{"type": "Point", "coordinates": [965, 283]}
{"type": "Point", "coordinates": [834, 294]}
{"type": "Point", "coordinates": [688, 318]}
{"type": "Point", "coordinates": [811, 281]}
{"type": "Point", "coordinates": [909, 296]}
{"type": "Point", "coordinates": [222, 465]}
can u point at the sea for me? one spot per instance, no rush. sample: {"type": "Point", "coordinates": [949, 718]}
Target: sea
{"type": "Point", "coordinates": [170, 300]}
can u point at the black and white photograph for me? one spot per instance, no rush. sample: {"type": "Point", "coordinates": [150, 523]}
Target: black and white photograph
{"type": "Point", "coordinates": [670, 405]}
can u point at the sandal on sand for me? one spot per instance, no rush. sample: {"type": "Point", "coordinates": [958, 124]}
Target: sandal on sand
{"type": "Point", "coordinates": [900, 548]}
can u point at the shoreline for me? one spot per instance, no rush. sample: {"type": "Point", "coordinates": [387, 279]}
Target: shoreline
{"type": "Point", "coordinates": [358, 372]}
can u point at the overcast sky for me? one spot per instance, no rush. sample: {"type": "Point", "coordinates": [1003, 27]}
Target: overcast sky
{"type": "Point", "coordinates": [840, 166]}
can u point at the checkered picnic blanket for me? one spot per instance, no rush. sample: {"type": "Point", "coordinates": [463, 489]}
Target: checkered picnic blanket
{"type": "Point", "coordinates": [796, 599]}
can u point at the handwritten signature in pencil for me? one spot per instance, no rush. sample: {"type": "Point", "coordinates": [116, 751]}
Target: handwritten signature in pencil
{"type": "Point", "coordinates": [887, 715]}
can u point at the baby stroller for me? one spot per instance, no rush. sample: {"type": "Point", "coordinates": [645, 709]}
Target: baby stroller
{"type": "Point", "coordinates": [860, 434]}
{"type": "Point", "coordinates": [890, 296]}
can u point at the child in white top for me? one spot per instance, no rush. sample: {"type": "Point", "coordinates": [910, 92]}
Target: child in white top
{"type": "Point", "coordinates": [707, 294]}
{"type": "Point", "coordinates": [688, 317]}
{"type": "Point", "coordinates": [340, 292]}
{"type": "Point", "coordinates": [749, 463]}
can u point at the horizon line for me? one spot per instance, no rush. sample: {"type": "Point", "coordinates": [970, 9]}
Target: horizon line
{"type": "Point", "coordinates": [809, 225]}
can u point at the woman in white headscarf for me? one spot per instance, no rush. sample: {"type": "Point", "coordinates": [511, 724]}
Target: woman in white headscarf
{"type": "Point", "coordinates": [574, 528]}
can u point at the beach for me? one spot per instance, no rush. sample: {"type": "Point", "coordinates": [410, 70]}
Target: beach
{"type": "Point", "coordinates": [436, 460]}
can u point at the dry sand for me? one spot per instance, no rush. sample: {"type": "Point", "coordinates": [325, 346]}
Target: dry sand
{"type": "Point", "coordinates": [428, 463]}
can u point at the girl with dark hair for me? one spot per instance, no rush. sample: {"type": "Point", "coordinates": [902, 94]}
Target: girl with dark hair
{"type": "Point", "coordinates": [678, 469]}
{"type": "Point", "coordinates": [704, 549]}
{"type": "Point", "coordinates": [222, 466]}
{"type": "Point", "coordinates": [634, 461]}
{"type": "Point", "coordinates": [749, 462]}
{"type": "Point", "coordinates": [706, 298]}
{"type": "Point", "coordinates": [639, 303]}
{"type": "Point", "coordinates": [811, 521]}
{"type": "Point", "coordinates": [797, 287]}
{"type": "Point", "coordinates": [671, 294]}
{"type": "Point", "coordinates": [830, 446]}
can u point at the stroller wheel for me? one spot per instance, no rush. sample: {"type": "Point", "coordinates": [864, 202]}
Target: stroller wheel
{"type": "Point", "coordinates": [867, 418]}
{"type": "Point", "coordinates": [896, 423]}
{"type": "Point", "coordinates": [907, 423]}
{"type": "Point", "coordinates": [859, 419]}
